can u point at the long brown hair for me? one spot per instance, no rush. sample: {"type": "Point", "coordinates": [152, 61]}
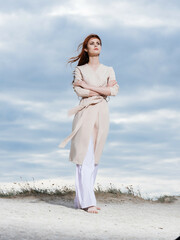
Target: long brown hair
{"type": "Point", "coordinates": [83, 56]}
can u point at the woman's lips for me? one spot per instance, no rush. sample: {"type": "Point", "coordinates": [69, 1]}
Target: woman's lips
{"type": "Point", "coordinates": [96, 49]}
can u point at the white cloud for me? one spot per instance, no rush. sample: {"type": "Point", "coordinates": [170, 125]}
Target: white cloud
{"type": "Point", "coordinates": [132, 145]}
{"type": "Point", "coordinates": [154, 117]}
{"type": "Point", "coordinates": [171, 160]}
{"type": "Point", "coordinates": [47, 159]}
{"type": "Point", "coordinates": [54, 111]}
{"type": "Point", "coordinates": [128, 14]}
{"type": "Point", "coordinates": [143, 96]}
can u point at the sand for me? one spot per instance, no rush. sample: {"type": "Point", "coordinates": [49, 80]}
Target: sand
{"type": "Point", "coordinates": [51, 218]}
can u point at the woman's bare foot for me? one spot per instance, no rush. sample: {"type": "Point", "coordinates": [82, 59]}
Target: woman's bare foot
{"type": "Point", "coordinates": [91, 209]}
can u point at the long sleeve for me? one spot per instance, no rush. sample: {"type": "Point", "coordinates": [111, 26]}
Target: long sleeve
{"type": "Point", "coordinates": [115, 89]}
{"type": "Point", "coordinates": [81, 92]}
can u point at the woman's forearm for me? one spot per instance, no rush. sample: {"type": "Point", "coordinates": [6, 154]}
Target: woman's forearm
{"type": "Point", "coordinates": [105, 91]}
{"type": "Point", "coordinates": [93, 93]}
{"type": "Point", "coordinates": [101, 90]}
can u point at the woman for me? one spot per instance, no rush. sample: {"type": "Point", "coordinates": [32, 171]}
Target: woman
{"type": "Point", "coordinates": [93, 82]}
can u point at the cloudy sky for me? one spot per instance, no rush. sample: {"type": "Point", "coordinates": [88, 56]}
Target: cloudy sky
{"type": "Point", "coordinates": [140, 40]}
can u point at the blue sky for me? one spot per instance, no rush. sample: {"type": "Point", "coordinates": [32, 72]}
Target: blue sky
{"type": "Point", "coordinates": [140, 40]}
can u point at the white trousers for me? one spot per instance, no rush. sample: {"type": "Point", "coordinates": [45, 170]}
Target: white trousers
{"type": "Point", "coordinates": [85, 179]}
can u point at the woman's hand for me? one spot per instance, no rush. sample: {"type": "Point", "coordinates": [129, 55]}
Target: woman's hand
{"type": "Point", "coordinates": [111, 83]}
{"type": "Point", "coordinates": [81, 84]}
{"type": "Point", "coordinates": [93, 93]}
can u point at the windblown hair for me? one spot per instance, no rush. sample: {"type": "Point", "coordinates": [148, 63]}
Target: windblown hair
{"type": "Point", "coordinates": [83, 57]}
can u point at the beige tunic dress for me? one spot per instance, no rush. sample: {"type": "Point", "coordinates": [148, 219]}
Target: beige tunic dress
{"type": "Point", "coordinates": [91, 111]}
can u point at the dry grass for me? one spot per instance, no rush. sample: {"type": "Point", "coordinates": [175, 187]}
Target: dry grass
{"type": "Point", "coordinates": [166, 199]}
{"type": "Point", "coordinates": [110, 194]}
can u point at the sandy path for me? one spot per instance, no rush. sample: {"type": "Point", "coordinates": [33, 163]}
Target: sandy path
{"type": "Point", "coordinates": [52, 218]}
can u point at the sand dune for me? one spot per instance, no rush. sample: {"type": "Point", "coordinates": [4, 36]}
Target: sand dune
{"type": "Point", "coordinates": [51, 218]}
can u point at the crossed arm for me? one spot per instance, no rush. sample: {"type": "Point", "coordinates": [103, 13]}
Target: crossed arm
{"type": "Point", "coordinates": [93, 90]}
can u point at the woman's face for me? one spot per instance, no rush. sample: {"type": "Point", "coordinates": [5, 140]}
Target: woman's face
{"type": "Point", "coordinates": [93, 47]}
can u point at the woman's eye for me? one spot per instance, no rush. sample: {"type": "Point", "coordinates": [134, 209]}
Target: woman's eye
{"type": "Point", "coordinates": [93, 43]}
